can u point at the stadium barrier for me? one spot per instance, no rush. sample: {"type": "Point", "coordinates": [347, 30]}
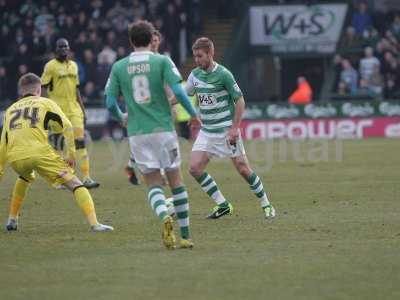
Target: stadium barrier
{"type": "Point", "coordinates": [320, 120]}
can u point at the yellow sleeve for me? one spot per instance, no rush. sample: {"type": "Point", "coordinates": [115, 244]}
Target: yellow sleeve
{"type": "Point", "coordinates": [47, 74]}
{"type": "Point", "coordinates": [3, 149]}
{"type": "Point", "coordinates": [77, 74]}
{"type": "Point", "coordinates": [64, 126]}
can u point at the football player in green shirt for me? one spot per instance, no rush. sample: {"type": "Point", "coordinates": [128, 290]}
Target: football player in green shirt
{"type": "Point", "coordinates": [140, 79]}
{"type": "Point", "coordinates": [221, 106]}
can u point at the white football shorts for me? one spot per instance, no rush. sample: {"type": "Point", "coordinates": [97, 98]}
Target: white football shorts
{"type": "Point", "coordinates": [155, 151]}
{"type": "Point", "coordinates": [217, 144]}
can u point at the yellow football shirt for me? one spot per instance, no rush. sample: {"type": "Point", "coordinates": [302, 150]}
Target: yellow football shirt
{"type": "Point", "coordinates": [61, 79]}
{"type": "Point", "coordinates": [25, 129]}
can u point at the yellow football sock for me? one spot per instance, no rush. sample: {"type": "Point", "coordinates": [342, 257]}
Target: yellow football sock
{"type": "Point", "coordinates": [18, 195]}
{"type": "Point", "coordinates": [85, 202]}
{"type": "Point", "coordinates": [83, 160]}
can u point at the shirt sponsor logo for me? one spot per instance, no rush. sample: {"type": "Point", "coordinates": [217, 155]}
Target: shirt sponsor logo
{"type": "Point", "coordinates": [207, 99]}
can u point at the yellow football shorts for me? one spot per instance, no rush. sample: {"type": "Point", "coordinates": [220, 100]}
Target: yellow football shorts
{"type": "Point", "coordinates": [51, 167]}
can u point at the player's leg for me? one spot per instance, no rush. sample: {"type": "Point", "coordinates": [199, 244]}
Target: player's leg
{"type": "Point", "coordinates": [131, 173]}
{"type": "Point", "coordinates": [181, 205]}
{"type": "Point", "coordinates": [26, 177]}
{"type": "Point", "coordinates": [147, 151]}
{"type": "Point", "coordinates": [81, 151]}
{"type": "Point", "coordinates": [156, 198]}
{"type": "Point", "coordinates": [54, 169]}
{"type": "Point", "coordinates": [198, 163]}
{"type": "Point", "coordinates": [242, 165]}
{"type": "Point", "coordinates": [85, 203]}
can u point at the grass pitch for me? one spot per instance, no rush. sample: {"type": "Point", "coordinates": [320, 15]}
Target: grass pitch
{"type": "Point", "coordinates": [337, 234]}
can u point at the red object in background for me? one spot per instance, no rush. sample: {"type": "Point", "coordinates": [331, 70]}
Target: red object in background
{"type": "Point", "coordinates": [303, 93]}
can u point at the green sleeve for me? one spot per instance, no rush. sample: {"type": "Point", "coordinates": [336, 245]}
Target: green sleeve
{"type": "Point", "coordinates": [231, 86]}
{"type": "Point", "coordinates": [170, 72]}
{"type": "Point", "coordinates": [113, 87]}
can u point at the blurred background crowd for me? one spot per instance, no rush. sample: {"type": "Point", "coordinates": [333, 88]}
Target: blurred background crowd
{"type": "Point", "coordinates": [368, 59]}
{"type": "Point", "coordinates": [366, 64]}
{"type": "Point", "coordinates": [96, 30]}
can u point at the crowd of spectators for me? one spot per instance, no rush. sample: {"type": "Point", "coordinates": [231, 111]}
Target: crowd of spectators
{"type": "Point", "coordinates": [96, 31]}
{"type": "Point", "coordinates": [369, 59]}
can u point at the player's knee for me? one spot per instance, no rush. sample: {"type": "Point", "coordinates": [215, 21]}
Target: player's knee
{"type": "Point", "coordinates": [80, 144]}
{"type": "Point", "coordinates": [243, 169]}
{"type": "Point", "coordinates": [195, 170]}
{"type": "Point", "coordinates": [27, 179]}
{"type": "Point", "coordinates": [73, 184]}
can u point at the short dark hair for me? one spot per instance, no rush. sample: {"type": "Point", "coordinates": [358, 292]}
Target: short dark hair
{"type": "Point", "coordinates": [140, 33]}
{"type": "Point", "coordinates": [157, 33]}
{"type": "Point", "coordinates": [203, 43]}
{"type": "Point", "coordinates": [28, 83]}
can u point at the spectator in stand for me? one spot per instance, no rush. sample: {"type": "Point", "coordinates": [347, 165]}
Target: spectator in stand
{"type": "Point", "coordinates": [376, 82]}
{"type": "Point", "coordinates": [68, 29]}
{"type": "Point", "coordinates": [90, 93]}
{"type": "Point", "coordinates": [172, 31]}
{"type": "Point", "coordinates": [107, 56]}
{"type": "Point", "coordinates": [94, 41]}
{"type": "Point", "coordinates": [368, 64]}
{"type": "Point", "coordinates": [348, 77]}
{"type": "Point", "coordinates": [395, 28]}
{"type": "Point", "coordinates": [5, 95]}
{"type": "Point", "coordinates": [303, 93]}
{"type": "Point", "coordinates": [121, 53]}
{"type": "Point", "coordinates": [361, 19]}
{"type": "Point", "coordinates": [22, 56]}
{"type": "Point", "coordinates": [81, 44]}
{"type": "Point", "coordinates": [91, 25]}
{"type": "Point", "coordinates": [21, 69]}
{"type": "Point", "coordinates": [43, 20]}
{"type": "Point", "coordinates": [5, 36]}
{"type": "Point", "coordinates": [20, 38]}
{"type": "Point", "coordinates": [105, 59]}
{"type": "Point", "coordinates": [90, 64]}
{"type": "Point", "coordinates": [371, 37]}
{"type": "Point", "coordinates": [390, 71]}
{"type": "Point", "coordinates": [373, 86]}
{"type": "Point", "coordinates": [351, 39]}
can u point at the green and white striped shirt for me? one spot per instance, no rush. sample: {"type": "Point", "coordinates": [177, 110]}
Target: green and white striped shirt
{"type": "Point", "coordinates": [216, 92]}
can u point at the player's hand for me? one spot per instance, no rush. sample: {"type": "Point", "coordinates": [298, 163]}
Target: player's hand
{"type": "Point", "coordinates": [233, 135]}
{"type": "Point", "coordinates": [71, 162]}
{"type": "Point", "coordinates": [124, 121]}
{"type": "Point", "coordinates": [195, 123]}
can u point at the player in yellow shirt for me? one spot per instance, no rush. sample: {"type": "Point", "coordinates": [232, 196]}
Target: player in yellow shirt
{"type": "Point", "coordinates": [24, 144]}
{"type": "Point", "coordinates": [61, 82]}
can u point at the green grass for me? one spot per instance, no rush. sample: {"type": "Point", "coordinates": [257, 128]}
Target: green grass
{"type": "Point", "coordinates": [337, 235]}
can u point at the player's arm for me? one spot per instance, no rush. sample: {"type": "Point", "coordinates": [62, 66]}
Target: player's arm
{"type": "Point", "coordinates": [3, 149]}
{"type": "Point", "coordinates": [239, 111]}
{"type": "Point", "coordinates": [79, 99]}
{"type": "Point", "coordinates": [78, 93]}
{"type": "Point", "coordinates": [112, 91]}
{"type": "Point", "coordinates": [189, 86]}
{"type": "Point", "coordinates": [183, 99]}
{"type": "Point", "coordinates": [237, 96]}
{"type": "Point", "coordinates": [173, 78]}
{"type": "Point", "coordinates": [59, 123]}
{"type": "Point", "coordinates": [46, 78]}
{"type": "Point", "coordinates": [170, 96]}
